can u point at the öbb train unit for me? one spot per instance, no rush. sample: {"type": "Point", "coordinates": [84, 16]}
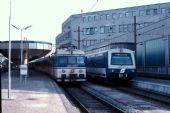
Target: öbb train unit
{"type": "Point", "coordinates": [64, 66]}
{"type": "Point", "coordinates": [112, 64]}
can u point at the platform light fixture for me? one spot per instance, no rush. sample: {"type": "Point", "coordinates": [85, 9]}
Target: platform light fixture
{"type": "Point", "coordinates": [21, 29]}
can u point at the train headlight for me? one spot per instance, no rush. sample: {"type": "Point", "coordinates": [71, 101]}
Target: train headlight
{"type": "Point", "coordinates": [133, 70]}
{"type": "Point", "coordinates": [63, 71]}
{"type": "Point", "coordinates": [82, 76]}
{"type": "Point", "coordinates": [80, 71]}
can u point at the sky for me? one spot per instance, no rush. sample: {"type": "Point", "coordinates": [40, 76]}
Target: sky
{"type": "Point", "coordinates": [46, 16]}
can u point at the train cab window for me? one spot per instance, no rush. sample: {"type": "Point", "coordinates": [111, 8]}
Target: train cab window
{"type": "Point", "coordinates": [76, 60]}
{"type": "Point", "coordinates": [62, 60]}
{"type": "Point", "coordinates": [121, 59]}
{"type": "Point", "coordinates": [71, 60]}
{"type": "Point", "coordinates": [80, 60]}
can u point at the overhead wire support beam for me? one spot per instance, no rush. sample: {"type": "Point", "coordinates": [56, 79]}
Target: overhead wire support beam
{"type": "Point", "coordinates": [150, 30]}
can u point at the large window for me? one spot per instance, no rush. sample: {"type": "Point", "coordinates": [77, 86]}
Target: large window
{"type": "Point", "coordinates": [148, 12]}
{"type": "Point", "coordinates": [134, 13]}
{"type": "Point", "coordinates": [84, 19]}
{"type": "Point", "coordinates": [102, 29]}
{"type": "Point", "coordinates": [121, 59]}
{"type": "Point", "coordinates": [125, 27]}
{"type": "Point", "coordinates": [102, 17]}
{"type": "Point", "coordinates": [163, 10]}
{"type": "Point", "coordinates": [120, 15]}
{"type": "Point", "coordinates": [130, 27]}
{"type": "Point", "coordinates": [113, 15]}
{"type": "Point", "coordinates": [120, 28]}
{"type": "Point", "coordinates": [95, 18]}
{"type": "Point", "coordinates": [112, 29]}
{"type": "Point", "coordinates": [127, 14]}
{"type": "Point", "coordinates": [141, 13]}
{"type": "Point", "coordinates": [107, 16]}
{"type": "Point", "coordinates": [89, 31]}
{"type": "Point", "coordinates": [155, 11]}
{"type": "Point", "coordinates": [108, 29]}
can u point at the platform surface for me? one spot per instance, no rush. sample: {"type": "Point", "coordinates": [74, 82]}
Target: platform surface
{"type": "Point", "coordinates": [36, 94]}
{"type": "Point", "coordinates": [155, 85]}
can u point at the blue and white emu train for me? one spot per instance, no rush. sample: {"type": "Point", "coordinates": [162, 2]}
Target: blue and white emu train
{"type": "Point", "coordinates": [111, 64]}
{"type": "Point", "coordinates": [64, 66]}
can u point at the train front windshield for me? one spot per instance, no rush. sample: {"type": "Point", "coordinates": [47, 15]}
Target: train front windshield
{"type": "Point", "coordinates": [71, 60]}
{"type": "Point", "coordinates": [121, 59]}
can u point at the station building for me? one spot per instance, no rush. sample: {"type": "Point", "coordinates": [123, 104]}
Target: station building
{"type": "Point", "coordinates": [104, 26]}
{"type": "Point", "coordinates": [96, 31]}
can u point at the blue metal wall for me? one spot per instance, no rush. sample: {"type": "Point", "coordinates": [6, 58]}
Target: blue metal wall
{"type": "Point", "coordinates": [155, 53]}
{"type": "Point", "coordinates": [140, 54]}
{"type": "Point", "coordinates": [152, 57]}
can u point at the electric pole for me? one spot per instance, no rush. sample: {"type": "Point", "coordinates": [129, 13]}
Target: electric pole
{"type": "Point", "coordinates": [135, 38]}
{"type": "Point", "coordinates": [78, 37]}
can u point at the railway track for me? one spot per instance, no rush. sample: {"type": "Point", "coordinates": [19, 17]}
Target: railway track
{"type": "Point", "coordinates": [153, 96]}
{"type": "Point", "coordinates": [88, 102]}
{"type": "Point", "coordinates": [126, 100]}
{"type": "Point", "coordinates": [149, 90]}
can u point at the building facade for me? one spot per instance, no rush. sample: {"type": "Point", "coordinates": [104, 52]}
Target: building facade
{"type": "Point", "coordinates": [102, 30]}
{"type": "Point", "coordinates": [97, 29]}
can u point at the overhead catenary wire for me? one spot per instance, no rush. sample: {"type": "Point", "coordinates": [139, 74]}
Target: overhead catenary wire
{"type": "Point", "coordinates": [109, 39]}
{"type": "Point", "coordinates": [93, 5]}
{"type": "Point", "coordinates": [86, 39]}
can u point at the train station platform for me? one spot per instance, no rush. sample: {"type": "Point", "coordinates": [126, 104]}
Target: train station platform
{"type": "Point", "coordinates": [36, 94]}
{"type": "Point", "coordinates": [156, 85]}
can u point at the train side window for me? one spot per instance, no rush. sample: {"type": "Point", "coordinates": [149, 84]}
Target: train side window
{"type": "Point", "coordinates": [62, 60]}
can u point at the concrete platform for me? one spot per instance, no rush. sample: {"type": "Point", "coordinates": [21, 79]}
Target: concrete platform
{"type": "Point", "coordinates": [155, 85]}
{"type": "Point", "coordinates": [38, 94]}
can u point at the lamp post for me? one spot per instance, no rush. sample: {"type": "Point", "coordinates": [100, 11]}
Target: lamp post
{"type": "Point", "coordinates": [9, 52]}
{"type": "Point", "coordinates": [21, 29]}
{"type": "Point", "coordinates": [1, 61]}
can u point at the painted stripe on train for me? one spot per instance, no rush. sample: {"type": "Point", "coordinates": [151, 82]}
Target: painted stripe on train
{"type": "Point", "coordinates": [69, 67]}
{"type": "Point", "coordinates": [97, 70]}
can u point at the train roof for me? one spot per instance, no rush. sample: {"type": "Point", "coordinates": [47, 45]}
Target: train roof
{"type": "Point", "coordinates": [115, 49]}
{"type": "Point", "coordinates": [59, 52]}
{"type": "Point", "coordinates": [72, 51]}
